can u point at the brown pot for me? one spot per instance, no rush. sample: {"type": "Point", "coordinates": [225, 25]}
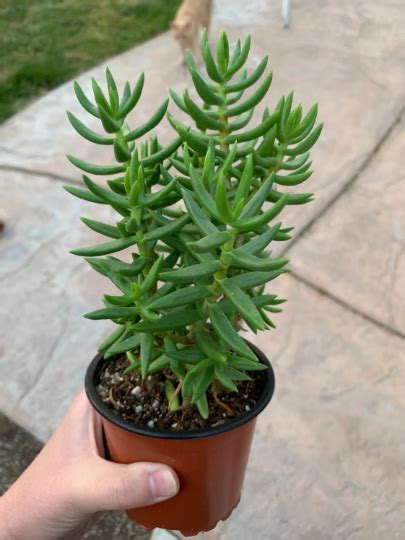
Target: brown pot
{"type": "Point", "coordinates": [211, 464]}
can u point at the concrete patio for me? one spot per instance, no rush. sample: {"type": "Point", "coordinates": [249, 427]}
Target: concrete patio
{"type": "Point", "coordinates": [329, 452]}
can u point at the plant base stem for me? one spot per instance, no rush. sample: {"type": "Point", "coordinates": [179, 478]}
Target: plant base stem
{"type": "Point", "coordinates": [221, 404]}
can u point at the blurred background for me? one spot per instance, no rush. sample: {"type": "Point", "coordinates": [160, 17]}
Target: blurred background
{"type": "Point", "coordinates": [329, 452]}
{"type": "Point", "coordinates": [47, 42]}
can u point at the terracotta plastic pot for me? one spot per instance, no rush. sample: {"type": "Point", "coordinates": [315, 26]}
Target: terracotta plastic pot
{"type": "Point", "coordinates": [211, 464]}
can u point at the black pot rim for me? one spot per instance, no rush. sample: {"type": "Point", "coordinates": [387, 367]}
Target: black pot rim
{"type": "Point", "coordinates": [268, 390]}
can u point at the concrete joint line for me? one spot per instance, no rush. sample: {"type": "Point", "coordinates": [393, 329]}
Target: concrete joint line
{"type": "Point", "coordinates": [345, 305]}
{"type": "Point", "coordinates": [45, 174]}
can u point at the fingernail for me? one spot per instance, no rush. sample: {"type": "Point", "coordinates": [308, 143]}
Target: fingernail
{"type": "Point", "coordinates": [162, 484]}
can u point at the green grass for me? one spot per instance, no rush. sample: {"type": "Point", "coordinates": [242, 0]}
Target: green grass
{"type": "Point", "coordinates": [44, 43]}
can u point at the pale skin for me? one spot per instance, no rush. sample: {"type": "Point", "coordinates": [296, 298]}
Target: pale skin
{"type": "Point", "coordinates": [59, 495]}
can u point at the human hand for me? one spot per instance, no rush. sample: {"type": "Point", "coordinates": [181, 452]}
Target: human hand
{"type": "Point", "coordinates": [69, 482]}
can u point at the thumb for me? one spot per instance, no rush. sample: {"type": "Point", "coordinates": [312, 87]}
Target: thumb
{"type": "Point", "coordinates": [111, 486]}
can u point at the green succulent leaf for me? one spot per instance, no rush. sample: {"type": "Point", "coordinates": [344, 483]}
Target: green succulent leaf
{"type": "Point", "coordinates": [221, 200]}
{"type": "Point", "coordinates": [87, 133]}
{"type": "Point", "coordinates": [169, 322]}
{"type": "Point", "coordinates": [105, 267]}
{"type": "Point", "coordinates": [253, 223]}
{"type": "Point", "coordinates": [182, 297]}
{"type": "Point", "coordinates": [260, 242]}
{"type": "Point", "coordinates": [204, 91]}
{"type": "Point", "coordinates": [111, 339]}
{"type": "Point", "coordinates": [255, 278]}
{"type": "Point", "coordinates": [209, 346]}
{"type": "Point", "coordinates": [195, 140]}
{"type": "Point", "coordinates": [191, 273]}
{"type": "Point", "coordinates": [109, 124]}
{"type": "Point", "coordinates": [100, 98]}
{"type": "Point", "coordinates": [210, 242]}
{"type": "Point", "coordinates": [102, 228]}
{"type": "Point", "coordinates": [203, 382]}
{"type": "Point", "coordinates": [227, 332]}
{"type": "Point", "coordinates": [222, 52]}
{"type": "Point", "coordinates": [117, 186]}
{"type": "Point", "coordinates": [242, 303]}
{"type": "Point", "coordinates": [202, 119]}
{"type": "Point", "coordinates": [266, 147]}
{"type": "Point", "coordinates": [255, 203]}
{"type": "Point", "coordinates": [239, 60]}
{"type": "Point", "coordinates": [248, 81]}
{"type": "Point", "coordinates": [197, 215]}
{"type": "Point", "coordinates": [254, 133]}
{"type": "Point", "coordinates": [155, 198]}
{"type": "Point", "coordinates": [155, 119]}
{"type": "Point", "coordinates": [188, 384]}
{"type": "Point", "coordinates": [105, 249]}
{"type": "Point", "coordinates": [305, 126]}
{"type": "Point", "coordinates": [127, 106]}
{"type": "Point", "coordinates": [231, 99]}
{"type": "Point", "coordinates": [227, 163]}
{"type": "Point", "coordinates": [152, 276]}
{"type": "Point", "coordinates": [121, 152]}
{"type": "Point", "coordinates": [111, 313]}
{"type": "Point", "coordinates": [134, 365]}
{"type": "Point", "coordinates": [83, 194]}
{"type": "Point", "coordinates": [261, 300]}
{"type": "Point", "coordinates": [235, 374]}
{"type": "Point", "coordinates": [295, 198]}
{"type": "Point", "coordinates": [227, 382]}
{"type": "Point", "coordinates": [84, 101]}
{"type": "Point", "coordinates": [265, 163]}
{"type": "Point", "coordinates": [253, 100]}
{"type": "Point", "coordinates": [125, 345]}
{"type": "Point", "coordinates": [178, 100]}
{"type": "Point", "coordinates": [105, 194]}
{"type": "Point", "coordinates": [245, 183]}
{"type": "Point", "coordinates": [236, 52]}
{"type": "Point", "coordinates": [126, 94]}
{"type": "Point", "coordinates": [146, 353]}
{"type": "Point", "coordinates": [241, 121]}
{"type": "Point", "coordinates": [164, 290]}
{"type": "Point", "coordinates": [248, 365]}
{"type": "Point", "coordinates": [202, 405]}
{"type": "Point", "coordinates": [112, 90]}
{"type": "Point", "coordinates": [305, 145]}
{"type": "Point", "coordinates": [95, 169]}
{"type": "Point", "coordinates": [251, 262]}
{"type": "Point", "coordinates": [122, 301]}
{"type": "Point", "coordinates": [172, 398]}
{"type": "Point", "coordinates": [292, 179]}
{"type": "Point", "coordinates": [159, 364]}
{"type": "Point", "coordinates": [190, 62]}
{"type": "Point", "coordinates": [167, 230]}
{"type": "Point", "coordinates": [209, 61]}
{"type": "Point", "coordinates": [296, 163]}
{"type": "Point", "coordinates": [163, 154]}
{"type": "Point", "coordinates": [203, 196]}
{"type": "Point", "coordinates": [188, 356]}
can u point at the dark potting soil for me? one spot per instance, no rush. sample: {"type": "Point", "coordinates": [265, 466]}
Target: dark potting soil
{"type": "Point", "coordinates": [145, 404]}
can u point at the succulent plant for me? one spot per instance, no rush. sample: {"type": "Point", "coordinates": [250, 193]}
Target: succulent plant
{"type": "Point", "coordinates": [199, 216]}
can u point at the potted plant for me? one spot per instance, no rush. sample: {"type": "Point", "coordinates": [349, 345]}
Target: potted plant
{"type": "Point", "coordinates": [175, 382]}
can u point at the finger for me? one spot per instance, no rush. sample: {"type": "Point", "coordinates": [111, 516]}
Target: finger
{"type": "Point", "coordinates": [112, 486]}
{"type": "Point", "coordinates": [81, 428]}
